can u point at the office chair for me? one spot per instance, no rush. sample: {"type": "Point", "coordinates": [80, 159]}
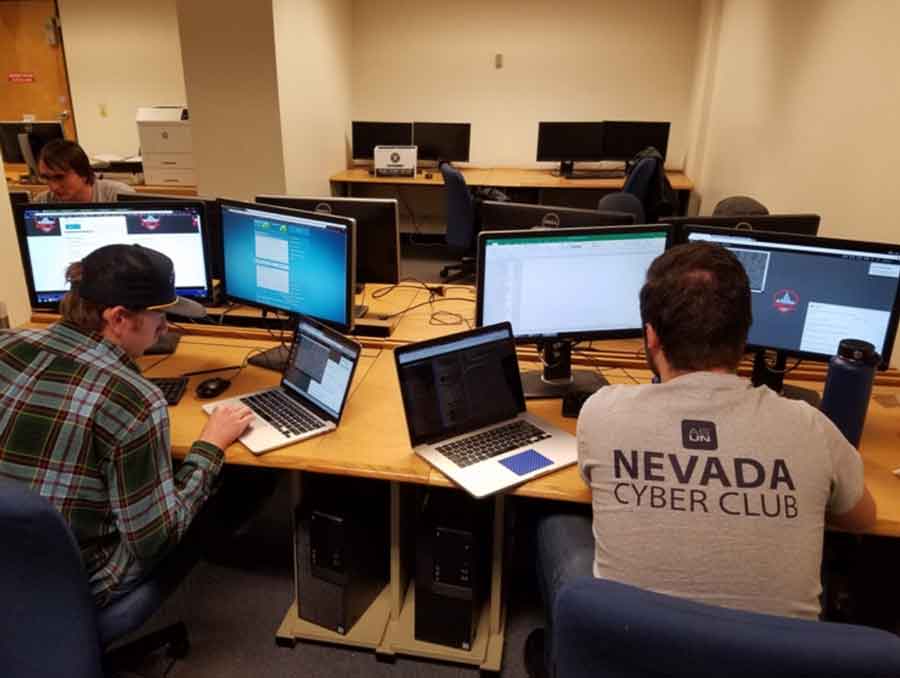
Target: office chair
{"type": "Point", "coordinates": [647, 182]}
{"type": "Point", "coordinates": [622, 202]}
{"type": "Point", "coordinates": [51, 626]}
{"type": "Point", "coordinates": [603, 628]}
{"type": "Point", "coordinates": [461, 224]}
{"type": "Point", "coordinates": [739, 206]}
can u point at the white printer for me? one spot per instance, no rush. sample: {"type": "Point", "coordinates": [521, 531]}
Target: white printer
{"type": "Point", "coordinates": [395, 161]}
{"type": "Point", "coordinates": [166, 147]}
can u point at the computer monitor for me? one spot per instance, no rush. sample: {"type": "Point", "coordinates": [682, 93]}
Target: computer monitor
{"type": "Point", "coordinates": [559, 287]}
{"type": "Point", "coordinates": [37, 134]}
{"type": "Point", "coordinates": [442, 140]}
{"type": "Point", "coordinates": [623, 139]}
{"type": "Point", "coordinates": [797, 224]}
{"type": "Point", "coordinates": [810, 293]}
{"type": "Point", "coordinates": [367, 135]}
{"type": "Point", "coordinates": [287, 260]}
{"type": "Point", "coordinates": [502, 216]}
{"type": "Point", "coordinates": [213, 228]}
{"type": "Point", "coordinates": [569, 142]}
{"type": "Point", "coordinates": [52, 236]}
{"type": "Point", "coordinates": [19, 198]}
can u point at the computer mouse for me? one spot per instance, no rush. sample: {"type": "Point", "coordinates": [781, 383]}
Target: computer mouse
{"type": "Point", "coordinates": [210, 388]}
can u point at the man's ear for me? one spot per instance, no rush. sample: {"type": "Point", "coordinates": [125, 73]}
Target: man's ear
{"type": "Point", "coordinates": [651, 337]}
{"type": "Point", "coordinates": [115, 317]}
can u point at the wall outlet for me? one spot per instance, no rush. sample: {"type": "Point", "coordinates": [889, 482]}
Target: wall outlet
{"type": "Point", "coordinates": [498, 60]}
{"type": "Point", "coordinates": [104, 113]}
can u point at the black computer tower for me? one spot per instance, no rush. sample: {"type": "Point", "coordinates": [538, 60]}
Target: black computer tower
{"type": "Point", "coordinates": [453, 566]}
{"type": "Point", "coordinates": [342, 543]}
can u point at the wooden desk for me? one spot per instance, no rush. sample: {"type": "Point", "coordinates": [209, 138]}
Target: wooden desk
{"type": "Point", "coordinates": [525, 185]}
{"type": "Point", "coordinates": [12, 173]}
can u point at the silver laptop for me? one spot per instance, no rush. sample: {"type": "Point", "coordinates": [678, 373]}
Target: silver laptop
{"type": "Point", "coordinates": [312, 394]}
{"type": "Point", "coordinates": [465, 412]}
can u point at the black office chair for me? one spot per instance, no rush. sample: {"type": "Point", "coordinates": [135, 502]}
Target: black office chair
{"type": "Point", "coordinates": [623, 202]}
{"type": "Point", "coordinates": [462, 228]}
{"type": "Point", "coordinates": [50, 624]}
{"type": "Point", "coordinates": [603, 629]}
{"type": "Point", "coordinates": [739, 206]}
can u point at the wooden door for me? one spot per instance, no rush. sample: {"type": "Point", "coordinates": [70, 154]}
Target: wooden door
{"type": "Point", "coordinates": [33, 79]}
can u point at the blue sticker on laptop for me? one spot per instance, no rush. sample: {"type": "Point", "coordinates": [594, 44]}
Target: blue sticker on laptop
{"type": "Point", "coordinates": [525, 462]}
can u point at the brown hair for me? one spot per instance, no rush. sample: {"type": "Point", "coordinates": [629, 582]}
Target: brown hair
{"type": "Point", "coordinates": [697, 299]}
{"type": "Point", "coordinates": [77, 310]}
{"type": "Point", "coordinates": [63, 155]}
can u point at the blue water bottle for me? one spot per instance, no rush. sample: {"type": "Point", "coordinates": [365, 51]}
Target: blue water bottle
{"type": "Point", "coordinates": [848, 387]}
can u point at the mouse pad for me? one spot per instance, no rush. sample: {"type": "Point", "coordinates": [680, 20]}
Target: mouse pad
{"type": "Point", "coordinates": [525, 462]}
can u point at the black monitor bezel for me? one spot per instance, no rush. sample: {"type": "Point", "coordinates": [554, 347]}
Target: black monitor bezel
{"type": "Point", "coordinates": [680, 223]}
{"type": "Point", "coordinates": [434, 126]}
{"type": "Point", "coordinates": [610, 127]}
{"type": "Point", "coordinates": [815, 241]}
{"type": "Point", "coordinates": [353, 130]}
{"type": "Point", "coordinates": [350, 262]}
{"type": "Point", "coordinates": [558, 157]}
{"type": "Point", "coordinates": [22, 237]}
{"type": "Point", "coordinates": [581, 335]}
{"type": "Point", "coordinates": [394, 277]}
{"type": "Point", "coordinates": [621, 218]}
{"type": "Point", "coordinates": [21, 128]}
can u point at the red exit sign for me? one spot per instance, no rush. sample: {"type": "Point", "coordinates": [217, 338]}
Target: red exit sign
{"type": "Point", "coordinates": [21, 77]}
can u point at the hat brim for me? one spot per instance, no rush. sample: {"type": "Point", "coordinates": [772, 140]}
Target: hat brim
{"type": "Point", "coordinates": [181, 307]}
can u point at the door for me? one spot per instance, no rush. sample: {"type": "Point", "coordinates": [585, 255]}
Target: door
{"type": "Point", "coordinates": [33, 79]}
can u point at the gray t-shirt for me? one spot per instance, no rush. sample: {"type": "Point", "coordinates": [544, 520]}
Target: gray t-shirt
{"type": "Point", "coordinates": [103, 190]}
{"type": "Point", "coordinates": [709, 489]}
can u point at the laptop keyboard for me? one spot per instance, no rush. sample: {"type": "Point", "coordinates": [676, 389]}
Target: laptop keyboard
{"type": "Point", "coordinates": [487, 444]}
{"type": "Point", "coordinates": [289, 417]}
{"type": "Point", "coordinates": [172, 388]}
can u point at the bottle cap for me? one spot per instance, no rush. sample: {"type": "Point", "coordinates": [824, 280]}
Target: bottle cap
{"type": "Point", "coordinates": [858, 350]}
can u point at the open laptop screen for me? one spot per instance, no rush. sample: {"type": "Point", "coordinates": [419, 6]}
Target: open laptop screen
{"type": "Point", "coordinates": [321, 366]}
{"type": "Point", "coordinates": [459, 383]}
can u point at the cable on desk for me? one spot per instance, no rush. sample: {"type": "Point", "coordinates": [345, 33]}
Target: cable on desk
{"type": "Point", "coordinates": [425, 303]}
{"type": "Point", "coordinates": [365, 374]}
{"type": "Point", "coordinates": [161, 360]}
{"type": "Point", "coordinates": [448, 318]}
{"type": "Point", "coordinates": [387, 289]}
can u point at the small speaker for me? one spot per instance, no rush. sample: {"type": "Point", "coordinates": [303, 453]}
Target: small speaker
{"type": "Point", "coordinates": [342, 544]}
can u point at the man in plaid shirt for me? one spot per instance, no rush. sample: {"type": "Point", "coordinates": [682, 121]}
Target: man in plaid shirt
{"type": "Point", "coordinates": [81, 425]}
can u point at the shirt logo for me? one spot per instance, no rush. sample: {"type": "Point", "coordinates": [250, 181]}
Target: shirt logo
{"type": "Point", "coordinates": [699, 435]}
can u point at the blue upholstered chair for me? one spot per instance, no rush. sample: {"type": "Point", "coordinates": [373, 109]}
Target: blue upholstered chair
{"type": "Point", "coordinates": [50, 624]}
{"type": "Point", "coordinates": [605, 629]}
{"type": "Point", "coordinates": [461, 223]}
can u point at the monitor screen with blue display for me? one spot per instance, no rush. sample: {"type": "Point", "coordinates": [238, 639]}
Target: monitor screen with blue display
{"type": "Point", "coordinates": [289, 260]}
{"type": "Point", "coordinates": [52, 236]}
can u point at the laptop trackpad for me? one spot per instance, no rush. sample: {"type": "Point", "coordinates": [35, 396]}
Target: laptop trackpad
{"type": "Point", "coordinates": [525, 462]}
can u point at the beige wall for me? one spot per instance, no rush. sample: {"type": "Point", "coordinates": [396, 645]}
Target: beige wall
{"type": "Point", "coordinates": [313, 47]}
{"type": "Point", "coordinates": [120, 55]}
{"type": "Point", "coordinates": [232, 92]}
{"type": "Point", "coordinates": [13, 290]}
{"type": "Point", "coordinates": [572, 60]}
{"type": "Point", "coordinates": [804, 112]}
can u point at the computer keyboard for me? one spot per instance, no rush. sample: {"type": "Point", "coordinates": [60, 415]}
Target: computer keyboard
{"type": "Point", "coordinates": [172, 387]}
{"type": "Point", "coordinates": [286, 415]}
{"type": "Point", "coordinates": [487, 444]}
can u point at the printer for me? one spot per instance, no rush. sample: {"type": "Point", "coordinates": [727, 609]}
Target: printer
{"type": "Point", "coordinates": [166, 147]}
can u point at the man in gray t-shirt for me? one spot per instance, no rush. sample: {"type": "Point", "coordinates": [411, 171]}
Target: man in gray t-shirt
{"type": "Point", "coordinates": [703, 486]}
{"type": "Point", "coordinates": [65, 167]}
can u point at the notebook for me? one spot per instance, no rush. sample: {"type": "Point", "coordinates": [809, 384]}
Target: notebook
{"type": "Point", "coordinates": [465, 412]}
{"type": "Point", "coordinates": [312, 394]}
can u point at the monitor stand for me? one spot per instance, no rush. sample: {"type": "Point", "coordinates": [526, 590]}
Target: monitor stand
{"type": "Point", "coordinates": [365, 325]}
{"type": "Point", "coordinates": [165, 344]}
{"type": "Point", "coordinates": [567, 171]}
{"type": "Point", "coordinates": [773, 377]}
{"type": "Point", "coordinates": [558, 377]}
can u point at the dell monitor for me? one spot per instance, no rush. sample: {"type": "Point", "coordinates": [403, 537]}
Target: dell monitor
{"type": "Point", "coordinates": [810, 293]}
{"type": "Point", "coordinates": [437, 141]}
{"type": "Point", "coordinates": [52, 236]}
{"type": "Point", "coordinates": [797, 224]}
{"type": "Point", "coordinates": [22, 142]}
{"type": "Point", "coordinates": [289, 261]}
{"type": "Point", "coordinates": [503, 216]}
{"type": "Point", "coordinates": [622, 139]}
{"type": "Point", "coordinates": [568, 143]}
{"type": "Point", "coordinates": [19, 198]}
{"type": "Point", "coordinates": [559, 287]}
{"type": "Point", "coordinates": [367, 135]}
{"type": "Point", "coordinates": [212, 227]}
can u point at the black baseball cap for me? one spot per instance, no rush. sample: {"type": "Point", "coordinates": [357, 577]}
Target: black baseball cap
{"type": "Point", "coordinates": [134, 277]}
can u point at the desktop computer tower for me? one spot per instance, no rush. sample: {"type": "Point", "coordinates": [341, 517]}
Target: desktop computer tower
{"type": "Point", "coordinates": [342, 544]}
{"type": "Point", "coordinates": [453, 566]}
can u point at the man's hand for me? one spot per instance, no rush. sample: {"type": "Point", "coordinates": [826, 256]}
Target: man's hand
{"type": "Point", "coordinates": [225, 424]}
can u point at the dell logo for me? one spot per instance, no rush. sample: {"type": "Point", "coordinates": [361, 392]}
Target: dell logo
{"type": "Point", "coordinates": [699, 435]}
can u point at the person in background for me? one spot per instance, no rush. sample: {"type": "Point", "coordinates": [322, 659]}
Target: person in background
{"type": "Point", "coordinates": [65, 167]}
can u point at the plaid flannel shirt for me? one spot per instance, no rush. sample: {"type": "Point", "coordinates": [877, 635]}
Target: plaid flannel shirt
{"type": "Point", "coordinates": [81, 426]}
